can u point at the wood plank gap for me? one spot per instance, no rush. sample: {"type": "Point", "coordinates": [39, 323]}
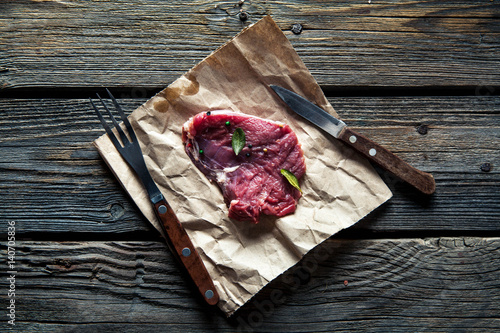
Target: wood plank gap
{"type": "Point", "coordinates": [400, 91]}
{"type": "Point", "coordinates": [329, 91]}
{"type": "Point", "coordinates": [139, 236]}
{"type": "Point", "coordinates": [353, 233]}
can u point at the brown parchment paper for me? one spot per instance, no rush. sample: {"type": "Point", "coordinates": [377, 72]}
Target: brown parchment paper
{"type": "Point", "coordinates": [339, 187]}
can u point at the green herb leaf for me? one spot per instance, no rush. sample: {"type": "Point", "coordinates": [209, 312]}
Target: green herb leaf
{"type": "Point", "coordinates": [291, 179]}
{"type": "Point", "coordinates": [238, 140]}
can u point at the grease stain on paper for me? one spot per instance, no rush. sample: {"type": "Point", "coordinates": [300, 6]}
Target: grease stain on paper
{"type": "Point", "coordinates": [187, 86]}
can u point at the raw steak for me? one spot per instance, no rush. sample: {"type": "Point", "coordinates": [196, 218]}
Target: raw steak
{"type": "Point", "coordinates": [251, 182]}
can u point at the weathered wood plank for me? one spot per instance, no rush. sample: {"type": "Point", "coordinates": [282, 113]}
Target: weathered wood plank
{"type": "Point", "coordinates": [49, 44]}
{"type": "Point", "coordinates": [436, 284]}
{"type": "Point", "coordinates": [52, 180]}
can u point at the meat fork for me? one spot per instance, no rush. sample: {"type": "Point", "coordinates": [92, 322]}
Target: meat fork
{"type": "Point", "coordinates": [177, 238]}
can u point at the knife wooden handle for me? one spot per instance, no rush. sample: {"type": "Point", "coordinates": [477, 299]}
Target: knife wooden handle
{"type": "Point", "coordinates": [422, 181]}
{"type": "Point", "coordinates": [184, 250]}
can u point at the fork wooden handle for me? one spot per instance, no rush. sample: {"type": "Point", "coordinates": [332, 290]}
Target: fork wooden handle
{"type": "Point", "coordinates": [186, 252]}
{"type": "Point", "coordinates": [422, 181]}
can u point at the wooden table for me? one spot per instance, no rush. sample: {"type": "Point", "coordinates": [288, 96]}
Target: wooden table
{"type": "Point", "coordinates": [420, 77]}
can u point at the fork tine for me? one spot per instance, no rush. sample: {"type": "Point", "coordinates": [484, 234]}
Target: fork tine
{"type": "Point", "coordinates": [117, 126]}
{"type": "Point", "coordinates": [108, 130]}
{"type": "Point", "coordinates": [123, 117]}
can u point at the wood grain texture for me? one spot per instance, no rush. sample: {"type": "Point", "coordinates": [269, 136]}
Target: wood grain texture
{"type": "Point", "coordinates": [139, 43]}
{"type": "Point", "coordinates": [391, 272]}
{"type": "Point", "coordinates": [53, 181]}
{"type": "Point", "coordinates": [386, 285]}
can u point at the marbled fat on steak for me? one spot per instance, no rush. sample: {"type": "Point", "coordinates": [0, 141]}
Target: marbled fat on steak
{"type": "Point", "coordinates": [251, 182]}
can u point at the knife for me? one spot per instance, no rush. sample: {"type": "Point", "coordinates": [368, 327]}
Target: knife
{"type": "Point", "coordinates": [422, 181]}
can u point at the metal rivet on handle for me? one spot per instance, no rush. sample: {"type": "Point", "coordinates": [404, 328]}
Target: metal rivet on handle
{"type": "Point", "coordinates": [209, 294]}
{"type": "Point", "coordinates": [186, 252]}
{"type": "Point", "coordinates": [162, 209]}
{"type": "Point", "coordinates": [353, 139]}
{"type": "Point", "coordinates": [372, 152]}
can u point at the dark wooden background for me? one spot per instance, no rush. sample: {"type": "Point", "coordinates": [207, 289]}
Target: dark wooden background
{"type": "Point", "coordinates": [420, 77]}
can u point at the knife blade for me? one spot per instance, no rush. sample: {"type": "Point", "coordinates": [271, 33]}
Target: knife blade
{"type": "Point", "coordinates": [422, 181]}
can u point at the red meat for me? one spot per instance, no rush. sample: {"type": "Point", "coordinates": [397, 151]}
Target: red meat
{"type": "Point", "coordinates": [251, 182]}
